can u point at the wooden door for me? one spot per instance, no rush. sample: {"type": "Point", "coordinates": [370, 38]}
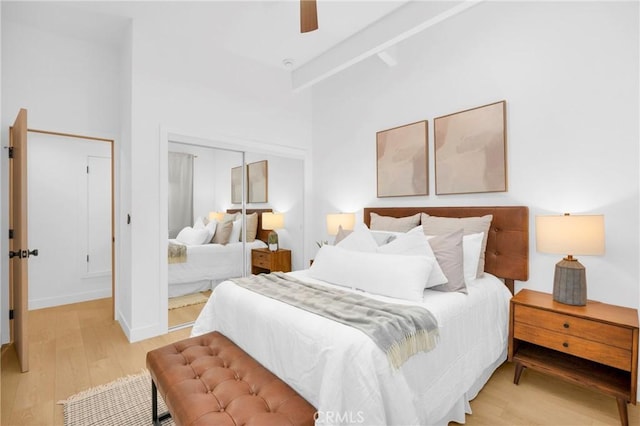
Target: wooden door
{"type": "Point", "coordinates": [19, 252]}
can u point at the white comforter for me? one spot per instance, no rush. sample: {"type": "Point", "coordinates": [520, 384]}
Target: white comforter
{"type": "Point", "coordinates": [347, 377]}
{"type": "Point", "coordinates": [211, 262]}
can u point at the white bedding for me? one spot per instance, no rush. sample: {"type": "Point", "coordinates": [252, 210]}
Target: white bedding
{"type": "Point", "coordinates": [347, 377]}
{"type": "Point", "coordinates": [207, 265]}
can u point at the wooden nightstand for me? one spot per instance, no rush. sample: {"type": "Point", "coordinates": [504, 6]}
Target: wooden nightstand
{"type": "Point", "coordinates": [264, 261]}
{"type": "Point", "coordinates": [595, 346]}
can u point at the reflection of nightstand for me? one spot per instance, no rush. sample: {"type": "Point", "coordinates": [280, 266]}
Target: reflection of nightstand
{"type": "Point", "coordinates": [595, 346]}
{"type": "Point", "coordinates": [265, 261]}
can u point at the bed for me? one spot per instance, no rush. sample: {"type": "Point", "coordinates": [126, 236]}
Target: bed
{"type": "Point", "coordinates": [347, 377]}
{"type": "Point", "coordinates": [206, 265]}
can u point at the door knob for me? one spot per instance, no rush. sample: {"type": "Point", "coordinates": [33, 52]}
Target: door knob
{"type": "Point", "coordinates": [33, 252]}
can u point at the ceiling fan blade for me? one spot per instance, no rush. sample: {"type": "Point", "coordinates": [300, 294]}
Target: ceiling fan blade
{"type": "Point", "coordinates": [308, 16]}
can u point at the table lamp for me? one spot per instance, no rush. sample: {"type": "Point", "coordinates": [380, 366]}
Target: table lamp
{"type": "Point", "coordinates": [577, 235]}
{"type": "Point", "coordinates": [217, 216]}
{"type": "Point", "coordinates": [337, 220]}
{"type": "Point", "coordinates": [271, 222]}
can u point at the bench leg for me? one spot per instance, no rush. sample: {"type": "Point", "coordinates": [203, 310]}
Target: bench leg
{"type": "Point", "coordinates": [156, 419]}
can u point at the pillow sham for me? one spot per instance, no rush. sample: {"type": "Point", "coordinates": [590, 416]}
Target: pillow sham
{"type": "Point", "coordinates": [193, 237]}
{"type": "Point", "coordinates": [449, 254]}
{"type": "Point", "coordinates": [416, 244]}
{"type": "Point", "coordinates": [341, 235]}
{"type": "Point", "coordinates": [435, 225]}
{"type": "Point", "coordinates": [223, 232]}
{"type": "Point", "coordinates": [395, 224]}
{"type": "Point", "coordinates": [471, 249]}
{"type": "Point", "coordinates": [252, 227]}
{"type": "Point", "coordinates": [199, 223]}
{"type": "Point", "coordinates": [236, 227]}
{"type": "Point", "coordinates": [398, 276]}
{"type": "Point", "coordinates": [359, 240]}
{"type": "Point", "coordinates": [211, 228]}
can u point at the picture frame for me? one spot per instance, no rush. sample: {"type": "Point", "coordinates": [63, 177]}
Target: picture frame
{"type": "Point", "coordinates": [236, 185]}
{"type": "Point", "coordinates": [470, 150]}
{"type": "Point", "coordinates": [402, 160]}
{"type": "Point", "coordinates": [258, 182]}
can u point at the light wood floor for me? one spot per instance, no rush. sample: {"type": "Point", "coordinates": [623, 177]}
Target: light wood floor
{"type": "Point", "coordinates": [74, 347]}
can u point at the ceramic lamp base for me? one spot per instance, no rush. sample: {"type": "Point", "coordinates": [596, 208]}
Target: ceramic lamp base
{"type": "Point", "coordinates": [570, 283]}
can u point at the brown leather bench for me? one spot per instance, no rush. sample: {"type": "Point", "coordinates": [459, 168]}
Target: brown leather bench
{"type": "Point", "coordinates": [208, 380]}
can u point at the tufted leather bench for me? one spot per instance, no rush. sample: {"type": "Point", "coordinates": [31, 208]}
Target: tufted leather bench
{"type": "Point", "coordinates": [208, 380]}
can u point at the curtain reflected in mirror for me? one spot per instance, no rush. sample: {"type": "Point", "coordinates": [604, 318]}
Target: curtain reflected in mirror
{"type": "Point", "coordinates": [210, 240]}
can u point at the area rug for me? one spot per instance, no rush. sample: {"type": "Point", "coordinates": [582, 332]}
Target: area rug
{"type": "Point", "coordinates": [186, 300]}
{"type": "Point", "coordinates": [126, 401]}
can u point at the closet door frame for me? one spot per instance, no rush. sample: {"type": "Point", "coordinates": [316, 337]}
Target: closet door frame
{"type": "Point", "coordinates": [219, 142]}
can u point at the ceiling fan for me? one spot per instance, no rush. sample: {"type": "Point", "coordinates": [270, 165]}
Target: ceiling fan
{"type": "Point", "coordinates": [308, 16]}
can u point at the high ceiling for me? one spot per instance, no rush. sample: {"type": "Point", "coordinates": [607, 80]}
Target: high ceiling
{"type": "Point", "coordinates": [266, 31]}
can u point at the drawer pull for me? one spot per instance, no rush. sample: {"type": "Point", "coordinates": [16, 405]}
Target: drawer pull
{"type": "Point", "coordinates": [565, 325]}
{"type": "Point", "coordinates": [565, 344]}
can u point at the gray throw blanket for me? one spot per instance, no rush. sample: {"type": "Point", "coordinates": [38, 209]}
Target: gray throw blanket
{"type": "Point", "coordinates": [400, 331]}
{"type": "Point", "coordinates": [177, 253]}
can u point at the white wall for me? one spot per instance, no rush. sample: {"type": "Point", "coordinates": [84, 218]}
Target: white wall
{"type": "Point", "coordinates": [58, 202]}
{"type": "Point", "coordinates": [66, 84]}
{"type": "Point", "coordinates": [569, 73]}
{"type": "Point", "coordinates": [207, 94]}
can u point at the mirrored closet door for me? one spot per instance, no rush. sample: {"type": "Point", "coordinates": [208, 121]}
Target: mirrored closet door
{"type": "Point", "coordinates": [210, 240]}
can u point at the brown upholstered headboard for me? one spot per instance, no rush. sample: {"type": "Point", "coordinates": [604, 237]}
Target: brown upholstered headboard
{"type": "Point", "coordinates": [262, 234]}
{"type": "Point", "coordinates": [507, 254]}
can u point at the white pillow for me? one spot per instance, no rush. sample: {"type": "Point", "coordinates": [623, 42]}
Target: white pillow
{"type": "Point", "coordinates": [471, 250]}
{"type": "Point", "coordinates": [193, 237]}
{"type": "Point", "coordinates": [359, 240]}
{"type": "Point", "coordinates": [211, 228]}
{"type": "Point", "coordinates": [235, 231]}
{"type": "Point", "coordinates": [416, 244]}
{"type": "Point", "coordinates": [393, 275]}
{"type": "Point", "coordinates": [199, 223]}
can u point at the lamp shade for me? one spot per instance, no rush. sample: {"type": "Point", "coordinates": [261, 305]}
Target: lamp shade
{"type": "Point", "coordinates": [336, 220]}
{"type": "Point", "coordinates": [272, 221]}
{"type": "Point", "coordinates": [217, 216]}
{"type": "Point", "coordinates": [570, 234]}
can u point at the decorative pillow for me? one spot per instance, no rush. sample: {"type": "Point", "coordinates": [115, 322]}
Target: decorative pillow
{"type": "Point", "coordinates": [199, 223]}
{"type": "Point", "coordinates": [252, 227]}
{"type": "Point", "coordinates": [359, 240]}
{"type": "Point", "coordinates": [395, 224]}
{"type": "Point", "coordinates": [236, 227]}
{"type": "Point", "coordinates": [230, 217]}
{"type": "Point", "coordinates": [398, 276]}
{"type": "Point", "coordinates": [435, 225]}
{"type": "Point", "coordinates": [449, 253]}
{"type": "Point", "coordinates": [471, 248]}
{"type": "Point", "coordinates": [341, 235]}
{"type": "Point", "coordinates": [193, 237]}
{"type": "Point", "coordinates": [416, 244]}
{"type": "Point", "coordinates": [211, 228]}
{"type": "Point", "coordinates": [223, 232]}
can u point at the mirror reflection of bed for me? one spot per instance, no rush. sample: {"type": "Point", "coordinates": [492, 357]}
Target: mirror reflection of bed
{"type": "Point", "coordinates": [205, 228]}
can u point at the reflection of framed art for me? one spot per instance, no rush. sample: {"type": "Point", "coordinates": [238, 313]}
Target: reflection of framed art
{"type": "Point", "coordinates": [402, 160]}
{"type": "Point", "coordinates": [470, 150]}
{"type": "Point", "coordinates": [258, 178]}
{"type": "Point", "coordinates": [236, 185]}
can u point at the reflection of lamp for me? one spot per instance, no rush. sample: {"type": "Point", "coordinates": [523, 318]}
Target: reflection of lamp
{"type": "Point", "coordinates": [336, 220]}
{"type": "Point", "coordinates": [580, 234]}
{"type": "Point", "coordinates": [272, 221]}
{"type": "Point", "coordinates": [217, 216]}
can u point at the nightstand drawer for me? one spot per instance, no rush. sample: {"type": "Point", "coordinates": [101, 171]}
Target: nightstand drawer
{"type": "Point", "coordinates": [583, 348]}
{"type": "Point", "coordinates": [608, 334]}
{"type": "Point", "coordinates": [261, 259]}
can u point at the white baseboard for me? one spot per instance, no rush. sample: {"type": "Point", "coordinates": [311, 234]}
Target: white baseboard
{"type": "Point", "coordinates": [65, 299]}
